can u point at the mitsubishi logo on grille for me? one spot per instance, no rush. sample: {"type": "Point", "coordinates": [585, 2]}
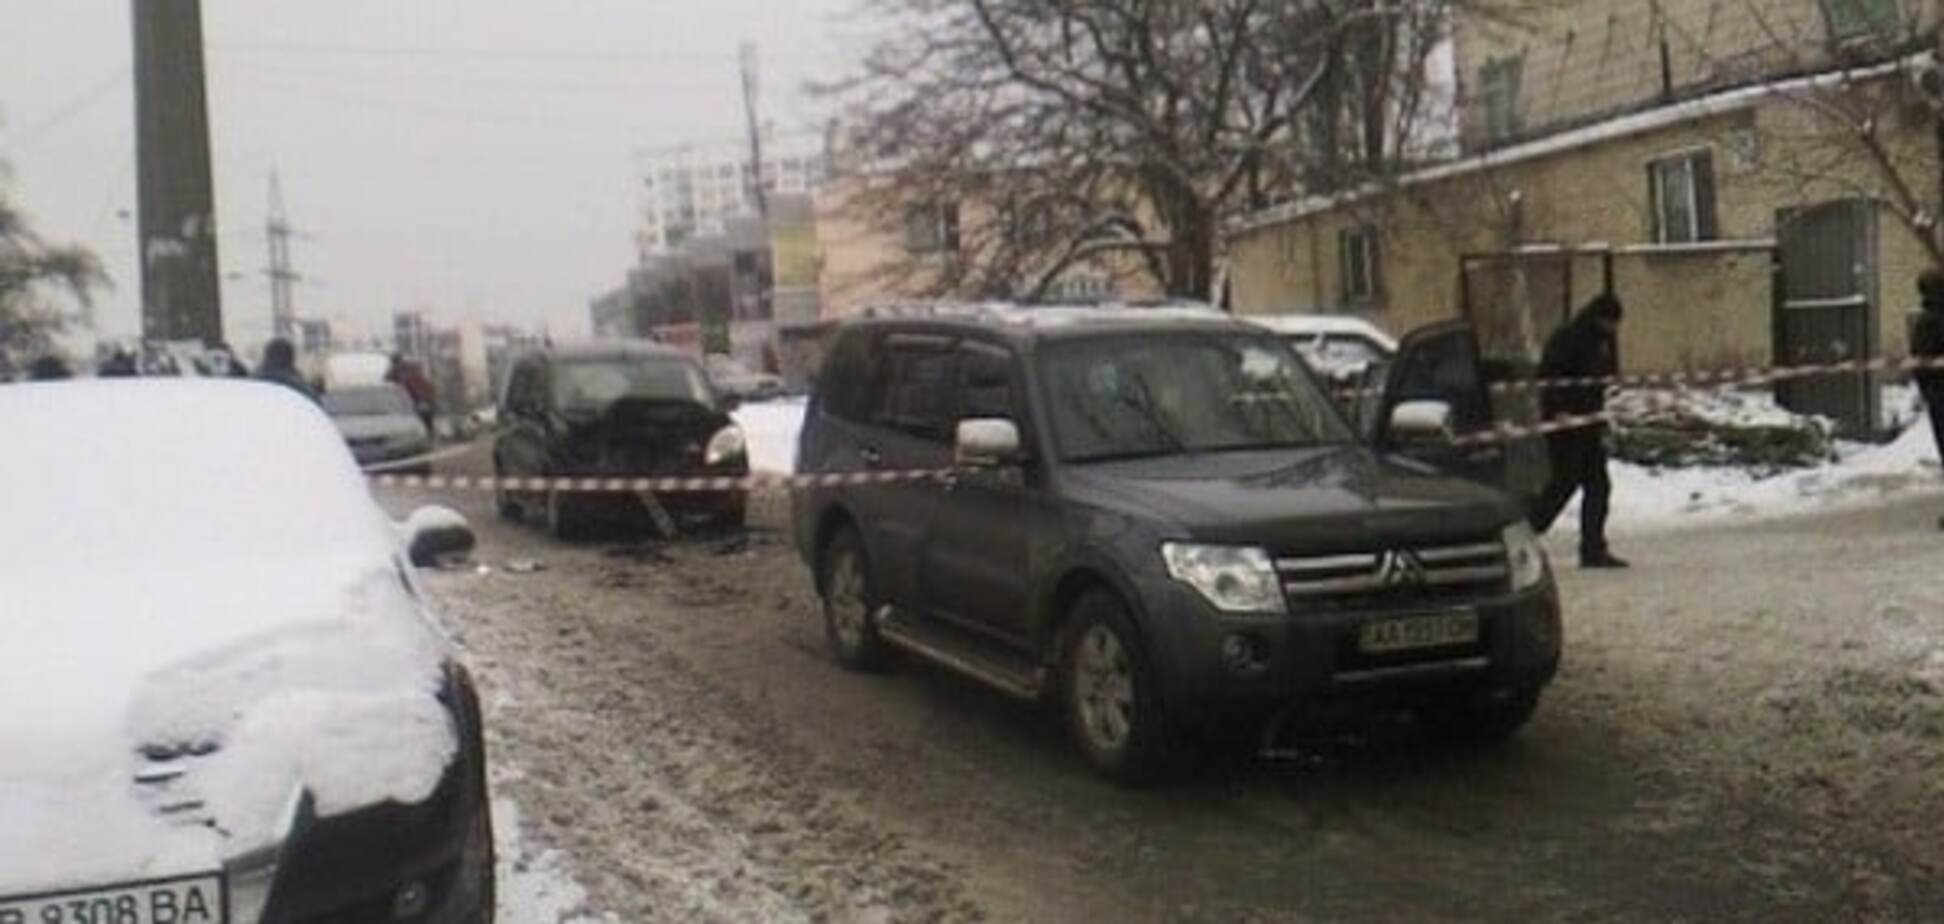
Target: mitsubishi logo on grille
{"type": "Point", "coordinates": [1400, 569]}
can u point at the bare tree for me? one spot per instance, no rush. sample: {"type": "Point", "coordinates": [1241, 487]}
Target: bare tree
{"type": "Point", "coordinates": [1120, 133]}
{"type": "Point", "coordinates": [33, 273]}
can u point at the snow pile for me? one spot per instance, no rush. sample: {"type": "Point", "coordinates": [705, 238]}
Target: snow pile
{"type": "Point", "coordinates": [772, 428]}
{"type": "Point", "coordinates": [1901, 406]}
{"type": "Point", "coordinates": [1716, 427]}
{"type": "Point", "coordinates": [1654, 499]}
{"type": "Point", "coordinates": [535, 887]}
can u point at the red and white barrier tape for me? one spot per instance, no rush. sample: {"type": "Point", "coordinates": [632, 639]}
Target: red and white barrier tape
{"type": "Point", "coordinates": [1507, 432]}
{"type": "Point", "coordinates": [761, 481]}
{"type": "Point", "coordinates": [379, 468]}
{"type": "Point", "coordinates": [1741, 375]}
{"type": "Point", "coordinates": [1746, 375]}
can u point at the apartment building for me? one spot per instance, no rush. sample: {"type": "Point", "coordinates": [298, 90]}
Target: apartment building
{"type": "Point", "coordinates": [696, 190]}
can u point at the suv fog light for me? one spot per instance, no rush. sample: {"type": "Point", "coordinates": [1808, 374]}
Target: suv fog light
{"type": "Point", "coordinates": [411, 901]}
{"type": "Point", "coordinates": [1244, 654]}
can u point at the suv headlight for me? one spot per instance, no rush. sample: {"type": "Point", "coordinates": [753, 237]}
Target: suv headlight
{"type": "Point", "coordinates": [1235, 579]}
{"type": "Point", "coordinates": [728, 443]}
{"type": "Point", "coordinates": [1524, 557]}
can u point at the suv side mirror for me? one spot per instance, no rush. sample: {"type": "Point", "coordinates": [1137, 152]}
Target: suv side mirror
{"type": "Point", "coordinates": [987, 442]}
{"type": "Point", "coordinates": [435, 533]}
{"type": "Point", "coordinates": [1421, 422]}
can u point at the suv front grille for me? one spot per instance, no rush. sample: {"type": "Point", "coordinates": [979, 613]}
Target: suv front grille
{"type": "Point", "coordinates": [1429, 575]}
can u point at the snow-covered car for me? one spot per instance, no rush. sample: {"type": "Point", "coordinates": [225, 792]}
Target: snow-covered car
{"type": "Point", "coordinates": [380, 424]}
{"type": "Point", "coordinates": [222, 697]}
{"type": "Point", "coordinates": [1341, 348]}
{"type": "Point", "coordinates": [731, 377]}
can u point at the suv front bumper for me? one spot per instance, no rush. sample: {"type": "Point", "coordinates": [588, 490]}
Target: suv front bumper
{"type": "Point", "coordinates": [1314, 657]}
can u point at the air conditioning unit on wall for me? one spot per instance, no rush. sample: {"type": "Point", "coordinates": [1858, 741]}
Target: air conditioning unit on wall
{"type": "Point", "coordinates": [1927, 83]}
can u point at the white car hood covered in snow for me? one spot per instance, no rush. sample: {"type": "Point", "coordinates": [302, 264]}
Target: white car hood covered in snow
{"type": "Point", "coordinates": [187, 566]}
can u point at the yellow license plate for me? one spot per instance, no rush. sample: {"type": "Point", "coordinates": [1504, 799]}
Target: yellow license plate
{"type": "Point", "coordinates": [1411, 633]}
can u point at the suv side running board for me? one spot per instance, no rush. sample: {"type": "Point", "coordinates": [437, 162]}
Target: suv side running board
{"type": "Point", "coordinates": [957, 650]}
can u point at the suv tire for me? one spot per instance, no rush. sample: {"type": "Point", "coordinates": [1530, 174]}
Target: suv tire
{"type": "Point", "coordinates": [1108, 692]}
{"type": "Point", "coordinates": [504, 503]}
{"type": "Point", "coordinates": [563, 521]}
{"type": "Point", "coordinates": [850, 604]}
{"type": "Point", "coordinates": [1480, 721]}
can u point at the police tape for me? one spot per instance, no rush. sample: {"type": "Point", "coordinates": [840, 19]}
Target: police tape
{"type": "Point", "coordinates": [753, 483]}
{"type": "Point", "coordinates": [1710, 378]}
{"type": "Point", "coordinates": [1743, 375]}
{"type": "Point", "coordinates": [1507, 432]}
{"type": "Point", "coordinates": [450, 452]}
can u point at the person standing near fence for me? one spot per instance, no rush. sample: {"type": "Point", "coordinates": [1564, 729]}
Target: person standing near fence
{"type": "Point", "coordinates": [1927, 342]}
{"type": "Point", "coordinates": [1587, 347]}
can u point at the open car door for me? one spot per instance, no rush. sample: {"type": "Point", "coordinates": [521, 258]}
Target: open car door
{"type": "Point", "coordinates": [1440, 385]}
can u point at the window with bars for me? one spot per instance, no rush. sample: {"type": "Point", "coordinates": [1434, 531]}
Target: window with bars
{"type": "Point", "coordinates": [1681, 198]}
{"type": "Point", "coordinates": [1498, 97]}
{"type": "Point", "coordinates": [1852, 20]}
{"type": "Point", "coordinates": [1361, 259]}
{"type": "Point", "coordinates": [931, 228]}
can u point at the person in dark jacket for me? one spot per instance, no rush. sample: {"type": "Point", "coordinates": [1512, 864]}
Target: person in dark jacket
{"type": "Point", "coordinates": [120, 364]}
{"type": "Point", "coordinates": [406, 374]}
{"type": "Point", "coordinates": [1587, 347]}
{"type": "Point", "coordinates": [49, 369]}
{"type": "Point", "coordinates": [1927, 342]}
{"type": "Point", "coordinates": [280, 366]}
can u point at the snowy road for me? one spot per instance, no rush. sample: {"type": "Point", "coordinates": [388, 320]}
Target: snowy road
{"type": "Point", "coordinates": [1749, 726]}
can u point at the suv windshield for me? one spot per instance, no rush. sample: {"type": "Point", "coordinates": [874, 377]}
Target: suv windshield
{"type": "Point", "coordinates": [1127, 397]}
{"type": "Point", "coordinates": [592, 385]}
{"type": "Point", "coordinates": [367, 402]}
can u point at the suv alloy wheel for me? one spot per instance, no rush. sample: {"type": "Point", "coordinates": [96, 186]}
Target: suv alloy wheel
{"type": "Point", "coordinates": [1112, 708]}
{"type": "Point", "coordinates": [850, 604]}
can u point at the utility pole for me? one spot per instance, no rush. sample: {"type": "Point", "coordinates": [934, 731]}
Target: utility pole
{"type": "Point", "coordinates": [181, 292]}
{"type": "Point", "coordinates": [750, 90]}
{"type": "Point", "coordinates": [283, 310]}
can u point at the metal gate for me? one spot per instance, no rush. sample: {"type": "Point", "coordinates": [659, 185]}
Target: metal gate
{"type": "Point", "coordinates": [1824, 310]}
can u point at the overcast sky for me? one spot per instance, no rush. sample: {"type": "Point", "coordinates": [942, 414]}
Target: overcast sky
{"type": "Point", "coordinates": [473, 158]}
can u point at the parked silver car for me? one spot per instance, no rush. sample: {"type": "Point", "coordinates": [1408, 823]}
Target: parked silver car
{"type": "Point", "coordinates": [380, 424]}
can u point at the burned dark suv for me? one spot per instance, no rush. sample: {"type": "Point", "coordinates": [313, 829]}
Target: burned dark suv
{"type": "Point", "coordinates": [611, 410]}
{"type": "Point", "coordinates": [1163, 522]}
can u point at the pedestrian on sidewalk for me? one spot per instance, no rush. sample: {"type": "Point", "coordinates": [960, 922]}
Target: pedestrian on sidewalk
{"type": "Point", "coordinates": [1927, 342]}
{"type": "Point", "coordinates": [1587, 347]}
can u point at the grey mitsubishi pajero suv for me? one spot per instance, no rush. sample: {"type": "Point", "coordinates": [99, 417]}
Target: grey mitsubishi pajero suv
{"type": "Point", "coordinates": [1162, 522]}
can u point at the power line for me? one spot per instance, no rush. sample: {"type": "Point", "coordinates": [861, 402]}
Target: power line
{"type": "Point", "coordinates": [86, 99]}
{"type": "Point", "coordinates": [631, 94]}
{"type": "Point", "coordinates": [510, 54]}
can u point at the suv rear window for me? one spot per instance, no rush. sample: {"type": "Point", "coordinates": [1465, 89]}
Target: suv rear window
{"type": "Point", "coordinates": [847, 376]}
{"type": "Point", "coordinates": [916, 397]}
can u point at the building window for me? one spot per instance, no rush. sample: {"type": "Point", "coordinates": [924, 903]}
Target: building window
{"type": "Point", "coordinates": [1850, 20]}
{"type": "Point", "coordinates": [931, 228]}
{"type": "Point", "coordinates": [1681, 197]}
{"type": "Point", "coordinates": [1362, 269]}
{"type": "Point", "coordinates": [1498, 97]}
